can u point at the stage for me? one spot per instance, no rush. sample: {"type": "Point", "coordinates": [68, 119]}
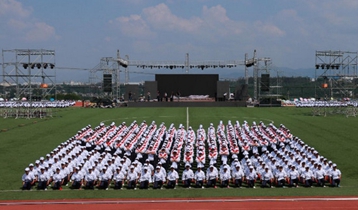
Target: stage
{"type": "Point", "coordinates": [188, 104]}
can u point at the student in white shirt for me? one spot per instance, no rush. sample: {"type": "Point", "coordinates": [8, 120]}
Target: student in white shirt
{"type": "Point", "coordinates": [211, 177]}
{"type": "Point", "coordinates": [145, 179]}
{"type": "Point", "coordinates": [267, 178]}
{"type": "Point", "coordinates": [118, 178]}
{"type": "Point", "coordinates": [238, 176]}
{"type": "Point", "coordinates": [57, 180]}
{"type": "Point", "coordinates": [77, 179]}
{"type": "Point", "coordinates": [335, 176]}
{"type": "Point", "coordinates": [320, 175]}
{"type": "Point", "coordinates": [158, 178]}
{"type": "Point", "coordinates": [281, 177]}
{"type": "Point", "coordinates": [172, 178]}
{"type": "Point", "coordinates": [225, 177]}
{"type": "Point", "coordinates": [294, 176]}
{"type": "Point", "coordinates": [199, 178]}
{"type": "Point", "coordinates": [90, 178]}
{"type": "Point", "coordinates": [27, 180]}
{"type": "Point", "coordinates": [307, 177]}
{"type": "Point", "coordinates": [187, 176]}
{"type": "Point", "coordinates": [132, 178]}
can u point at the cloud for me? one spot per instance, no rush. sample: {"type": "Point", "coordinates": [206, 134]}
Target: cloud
{"type": "Point", "coordinates": [133, 26]}
{"type": "Point", "coordinates": [40, 31]}
{"type": "Point", "coordinates": [21, 24]}
{"type": "Point", "coordinates": [213, 23]}
{"type": "Point", "coordinates": [269, 29]}
{"type": "Point", "coordinates": [160, 17]}
{"type": "Point", "coordinates": [14, 8]}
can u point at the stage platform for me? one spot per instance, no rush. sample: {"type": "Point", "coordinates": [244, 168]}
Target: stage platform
{"type": "Point", "coordinates": [188, 104]}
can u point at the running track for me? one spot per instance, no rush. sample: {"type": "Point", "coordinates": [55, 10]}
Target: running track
{"type": "Point", "coordinates": [281, 203]}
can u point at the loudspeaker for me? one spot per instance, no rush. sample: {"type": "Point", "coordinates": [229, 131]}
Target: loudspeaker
{"type": "Point", "coordinates": [222, 90]}
{"type": "Point", "coordinates": [241, 92]}
{"type": "Point", "coordinates": [107, 83]}
{"type": "Point", "coordinates": [265, 82]}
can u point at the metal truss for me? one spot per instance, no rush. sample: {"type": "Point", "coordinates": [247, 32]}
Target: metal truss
{"type": "Point", "coordinates": [31, 71]}
{"type": "Point", "coordinates": [337, 70]}
{"type": "Point", "coordinates": [113, 65]}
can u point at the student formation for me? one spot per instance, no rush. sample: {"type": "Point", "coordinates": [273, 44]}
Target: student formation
{"type": "Point", "coordinates": [150, 156]}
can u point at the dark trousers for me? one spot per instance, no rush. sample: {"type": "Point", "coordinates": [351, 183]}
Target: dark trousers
{"type": "Point", "coordinates": [65, 180]}
{"type": "Point", "coordinates": [104, 184]}
{"type": "Point", "coordinates": [118, 185]}
{"type": "Point", "coordinates": [211, 183]}
{"type": "Point", "coordinates": [57, 185]}
{"type": "Point", "coordinates": [76, 185]}
{"type": "Point", "coordinates": [90, 185]}
{"type": "Point", "coordinates": [308, 182]}
{"type": "Point", "coordinates": [251, 183]}
{"type": "Point", "coordinates": [336, 182]}
{"type": "Point", "coordinates": [131, 184]}
{"type": "Point", "coordinates": [144, 184]}
{"type": "Point", "coordinates": [42, 185]}
{"type": "Point", "coordinates": [265, 183]}
{"type": "Point", "coordinates": [187, 183]}
{"type": "Point", "coordinates": [320, 182]}
{"type": "Point", "coordinates": [294, 182]}
{"type": "Point", "coordinates": [281, 183]}
{"type": "Point", "coordinates": [158, 184]}
{"type": "Point", "coordinates": [171, 184]}
{"type": "Point", "coordinates": [199, 183]}
{"type": "Point", "coordinates": [238, 182]}
{"type": "Point", "coordinates": [224, 183]}
{"type": "Point", "coordinates": [27, 185]}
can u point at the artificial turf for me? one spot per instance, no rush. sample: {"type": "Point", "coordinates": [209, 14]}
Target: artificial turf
{"type": "Point", "coordinates": [25, 140]}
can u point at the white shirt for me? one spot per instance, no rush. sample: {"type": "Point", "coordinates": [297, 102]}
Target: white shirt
{"type": "Point", "coordinates": [199, 175]}
{"type": "Point", "coordinates": [172, 175]}
{"type": "Point", "coordinates": [281, 175]}
{"type": "Point", "coordinates": [42, 177]}
{"type": "Point", "coordinates": [225, 175]}
{"type": "Point", "coordinates": [146, 177]}
{"type": "Point", "coordinates": [238, 174]}
{"type": "Point", "coordinates": [90, 176]}
{"type": "Point", "coordinates": [251, 175]}
{"type": "Point", "coordinates": [76, 177]}
{"type": "Point", "coordinates": [267, 175]}
{"type": "Point", "coordinates": [27, 178]}
{"type": "Point", "coordinates": [158, 176]}
{"type": "Point", "coordinates": [132, 176]}
{"type": "Point", "coordinates": [335, 174]}
{"type": "Point", "coordinates": [118, 176]}
{"type": "Point", "coordinates": [57, 177]}
{"type": "Point", "coordinates": [320, 174]}
{"type": "Point", "coordinates": [307, 174]}
{"type": "Point", "coordinates": [211, 175]}
{"type": "Point", "coordinates": [293, 174]}
{"type": "Point", "coordinates": [187, 174]}
{"type": "Point", "coordinates": [105, 176]}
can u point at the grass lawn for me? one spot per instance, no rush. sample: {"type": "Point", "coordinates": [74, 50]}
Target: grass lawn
{"type": "Point", "coordinates": [23, 141]}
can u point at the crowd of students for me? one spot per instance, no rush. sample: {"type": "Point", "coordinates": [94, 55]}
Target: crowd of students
{"type": "Point", "coordinates": [36, 104]}
{"type": "Point", "coordinates": [146, 156]}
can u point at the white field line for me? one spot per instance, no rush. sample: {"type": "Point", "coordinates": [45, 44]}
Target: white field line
{"type": "Point", "coordinates": [15, 203]}
{"type": "Point", "coordinates": [187, 118]}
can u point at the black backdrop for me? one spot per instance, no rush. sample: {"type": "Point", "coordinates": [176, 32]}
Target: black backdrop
{"type": "Point", "coordinates": [187, 84]}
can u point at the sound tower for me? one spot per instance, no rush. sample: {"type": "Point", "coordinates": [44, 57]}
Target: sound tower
{"type": "Point", "coordinates": [107, 83]}
{"type": "Point", "coordinates": [265, 82]}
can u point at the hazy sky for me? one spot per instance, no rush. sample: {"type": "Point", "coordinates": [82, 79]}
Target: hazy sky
{"type": "Point", "coordinates": [83, 31]}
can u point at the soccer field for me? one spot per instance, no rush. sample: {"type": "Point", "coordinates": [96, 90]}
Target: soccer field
{"type": "Point", "coordinates": [24, 141]}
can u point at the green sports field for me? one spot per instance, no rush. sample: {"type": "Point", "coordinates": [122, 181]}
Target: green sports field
{"type": "Point", "coordinates": [24, 141]}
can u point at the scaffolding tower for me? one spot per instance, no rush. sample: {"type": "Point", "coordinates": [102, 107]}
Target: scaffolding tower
{"type": "Point", "coordinates": [335, 74]}
{"type": "Point", "coordinates": [31, 71]}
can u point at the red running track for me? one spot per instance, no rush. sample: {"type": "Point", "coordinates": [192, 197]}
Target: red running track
{"type": "Point", "coordinates": [182, 204]}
